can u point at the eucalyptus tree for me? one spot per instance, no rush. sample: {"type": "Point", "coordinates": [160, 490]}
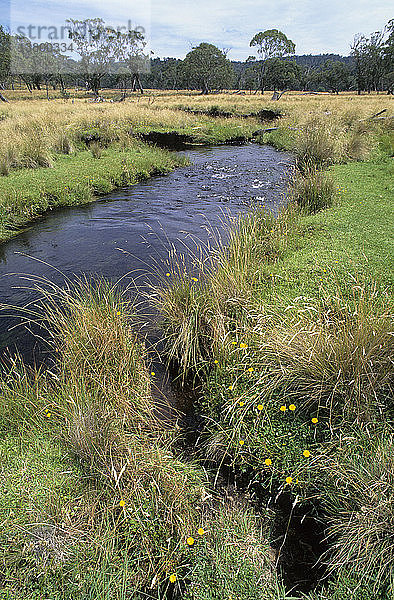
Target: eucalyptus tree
{"type": "Point", "coordinates": [101, 47]}
{"type": "Point", "coordinates": [335, 75]}
{"type": "Point", "coordinates": [388, 57]}
{"type": "Point", "coordinates": [206, 67]}
{"type": "Point", "coordinates": [270, 44]}
{"type": "Point", "coordinates": [4, 55]}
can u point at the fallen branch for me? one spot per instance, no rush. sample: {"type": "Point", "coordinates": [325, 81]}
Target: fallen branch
{"type": "Point", "coordinates": [379, 113]}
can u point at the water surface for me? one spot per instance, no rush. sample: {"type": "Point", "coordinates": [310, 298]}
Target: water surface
{"type": "Point", "coordinates": [132, 229]}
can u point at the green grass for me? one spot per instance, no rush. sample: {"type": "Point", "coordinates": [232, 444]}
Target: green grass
{"type": "Point", "coordinates": [75, 179]}
{"type": "Point", "coordinates": [297, 313]}
{"type": "Point", "coordinates": [95, 502]}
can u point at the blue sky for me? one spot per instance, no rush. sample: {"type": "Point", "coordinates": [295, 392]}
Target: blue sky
{"type": "Point", "coordinates": [175, 26]}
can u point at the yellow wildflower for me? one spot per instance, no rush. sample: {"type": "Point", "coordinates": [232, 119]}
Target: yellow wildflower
{"type": "Point", "coordinates": [173, 578]}
{"type": "Point", "coordinates": [216, 362]}
{"type": "Point", "coordinates": [241, 403]}
{"type": "Point", "coordinates": [315, 420]}
{"type": "Point", "coordinates": [190, 541]}
{"type": "Point", "coordinates": [306, 453]}
{"type": "Point", "coordinates": [230, 387]}
{"type": "Point", "coordinates": [122, 503]}
{"type": "Point", "coordinates": [292, 407]}
{"type": "Point", "coordinates": [243, 345]}
{"type": "Point", "coordinates": [168, 274]}
{"type": "Point", "coordinates": [194, 279]}
{"type": "Point", "coordinates": [268, 462]}
{"type": "Point", "coordinates": [241, 442]}
{"type": "Point", "coordinates": [153, 373]}
{"type": "Point", "coordinates": [289, 480]}
{"type": "Point", "coordinates": [283, 408]}
{"type": "Point", "coordinates": [251, 369]}
{"type": "Point", "coordinates": [260, 407]}
{"type": "Point", "coordinates": [200, 531]}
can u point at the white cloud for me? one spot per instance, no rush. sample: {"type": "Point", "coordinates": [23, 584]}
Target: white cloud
{"type": "Point", "coordinates": [177, 25]}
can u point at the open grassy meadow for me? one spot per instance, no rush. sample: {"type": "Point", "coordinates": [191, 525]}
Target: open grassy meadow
{"type": "Point", "coordinates": [285, 341]}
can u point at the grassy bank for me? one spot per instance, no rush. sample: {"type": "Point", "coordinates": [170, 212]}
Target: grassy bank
{"type": "Point", "coordinates": [76, 179]}
{"type": "Point", "coordinates": [289, 334]}
{"type": "Point", "coordinates": [94, 501]}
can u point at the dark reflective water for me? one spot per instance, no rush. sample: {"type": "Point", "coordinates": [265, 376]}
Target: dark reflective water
{"type": "Point", "coordinates": [131, 230]}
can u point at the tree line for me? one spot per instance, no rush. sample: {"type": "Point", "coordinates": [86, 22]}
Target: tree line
{"type": "Point", "coordinates": [111, 59]}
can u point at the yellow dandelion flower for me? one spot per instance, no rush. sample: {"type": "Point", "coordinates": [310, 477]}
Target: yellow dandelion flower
{"type": "Point", "coordinates": [251, 369]}
{"type": "Point", "coordinates": [283, 408]}
{"type": "Point", "coordinates": [289, 480]}
{"type": "Point", "coordinates": [173, 578]}
{"type": "Point", "coordinates": [243, 345]}
{"type": "Point", "coordinates": [315, 420]}
{"type": "Point", "coordinates": [118, 313]}
{"type": "Point", "coordinates": [268, 462]}
{"type": "Point", "coordinates": [48, 414]}
{"type": "Point", "coordinates": [241, 403]}
{"type": "Point", "coordinates": [168, 274]}
{"type": "Point", "coordinates": [153, 373]}
{"type": "Point", "coordinates": [194, 279]}
{"type": "Point", "coordinates": [230, 387]}
{"type": "Point", "coordinates": [241, 442]}
{"type": "Point", "coordinates": [292, 407]}
{"type": "Point", "coordinates": [306, 453]}
{"type": "Point", "coordinates": [190, 541]}
{"type": "Point", "coordinates": [200, 531]}
{"type": "Point", "coordinates": [260, 407]}
{"type": "Point", "coordinates": [216, 362]}
{"type": "Point", "coordinates": [122, 503]}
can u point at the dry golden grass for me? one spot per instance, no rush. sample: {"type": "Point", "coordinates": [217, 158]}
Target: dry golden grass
{"type": "Point", "coordinates": [33, 130]}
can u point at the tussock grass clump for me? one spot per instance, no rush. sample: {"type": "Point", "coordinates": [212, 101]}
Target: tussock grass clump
{"type": "Point", "coordinates": [63, 144]}
{"type": "Point", "coordinates": [100, 356]}
{"type": "Point", "coordinates": [186, 323]}
{"type": "Point", "coordinates": [198, 315]}
{"type": "Point", "coordinates": [34, 152]}
{"type": "Point", "coordinates": [358, 495]}
{"type": "Point", "coordinates": [317, 146]}
{"type": "Point", "coordinates": [337, 359]}
{"type": "Point", "coordinates": [312, 190]}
